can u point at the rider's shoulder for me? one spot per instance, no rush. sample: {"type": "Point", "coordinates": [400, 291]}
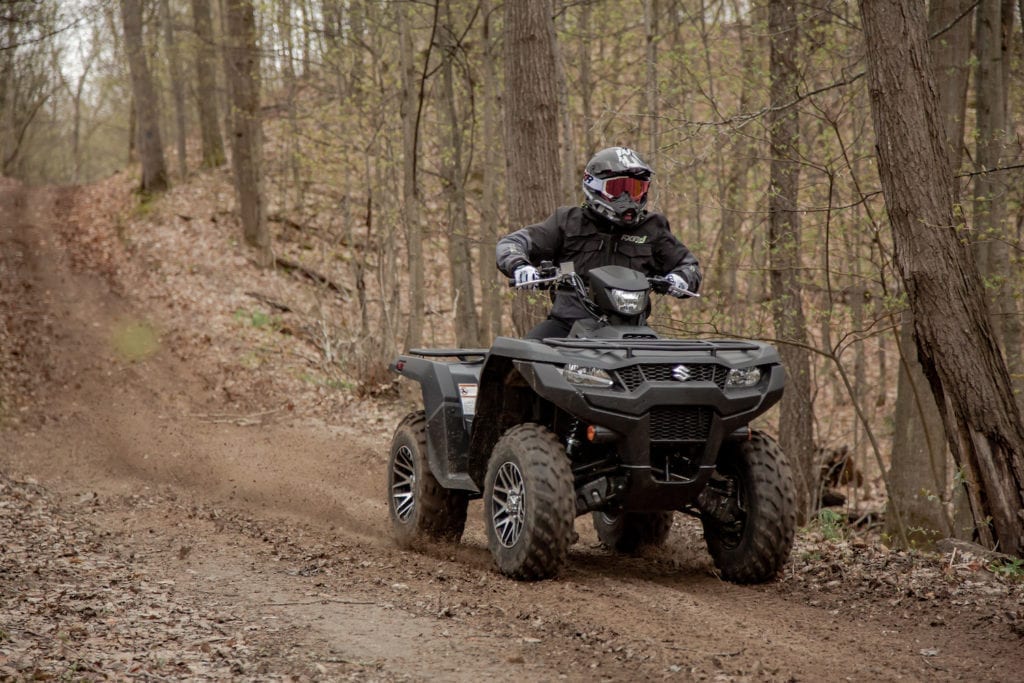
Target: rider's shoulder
{"type": "Point", "coordinates": [655, 222]}
{"type": "Point", "coordinates": [573, 220]}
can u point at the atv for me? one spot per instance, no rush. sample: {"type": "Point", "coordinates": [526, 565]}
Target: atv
{"type": "Point", "coordinates": [613, 421]}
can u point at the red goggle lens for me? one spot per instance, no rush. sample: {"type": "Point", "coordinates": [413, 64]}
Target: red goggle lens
{"type": "Point", "coordinates": [636, 188]}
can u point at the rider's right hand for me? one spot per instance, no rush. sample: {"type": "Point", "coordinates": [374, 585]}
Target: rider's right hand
{"type": "Point", "coordinates": [525, 275]}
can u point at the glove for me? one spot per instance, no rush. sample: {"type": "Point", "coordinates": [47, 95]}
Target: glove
{"type": "Point", "coordinates": [524, 275]}
{"type": "Point", "coordinates": [677, 285]}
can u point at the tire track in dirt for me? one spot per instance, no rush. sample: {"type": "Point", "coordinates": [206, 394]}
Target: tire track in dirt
{"type": "Point", "coordinates": [285, 523]}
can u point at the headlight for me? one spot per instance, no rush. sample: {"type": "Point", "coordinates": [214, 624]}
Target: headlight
{"type": "Point", "coordinates": [628, 302]}
{"type": "Point", "coordinates": [743, 377]}
{"type": "Point", "coordinates": [587, 377]}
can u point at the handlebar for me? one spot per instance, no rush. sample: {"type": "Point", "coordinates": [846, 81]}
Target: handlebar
{"type": "Point", "coordinates": [573, 282]}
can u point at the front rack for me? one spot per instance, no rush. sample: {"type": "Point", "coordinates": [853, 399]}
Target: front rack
{"type": "Point", "coordinates": [673, 345]}
{"type": "Point", "coordinates": [462, 354]}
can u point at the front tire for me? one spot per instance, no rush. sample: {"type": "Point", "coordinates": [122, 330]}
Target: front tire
{"type": "Point", "coordinates": [749, 510]}
{"type": "Point", "coordinates": [628, 532]}
{"type": "Point", "coordinates": [528, 503]}
{"type": "Point", "coordinates": [419, 507]}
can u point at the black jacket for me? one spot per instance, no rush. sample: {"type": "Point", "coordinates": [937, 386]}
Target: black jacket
{"type": "Point", "coordinates": [575, 234]}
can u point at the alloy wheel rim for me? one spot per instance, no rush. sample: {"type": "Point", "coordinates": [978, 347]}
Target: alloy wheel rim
{"type": "Point", "coordinates": [403, 484]}
{"type": "Point", "coordinates": [508, 504]}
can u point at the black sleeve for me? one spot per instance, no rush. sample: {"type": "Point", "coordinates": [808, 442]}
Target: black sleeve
{"type": "Point", "coordinates": [672, 256]}
{"type": "Point", "coordinates": [532, 244]}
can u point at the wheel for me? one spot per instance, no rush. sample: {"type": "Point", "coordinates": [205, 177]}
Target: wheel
{"type": "Point", "coordinates": [628, 532]}
{"type": "Point", "coordinates": [528, 503]}
{"type": "Point", "coordinates": [420, 508]}
{"type": "Point", "coordinates": [749, 510]}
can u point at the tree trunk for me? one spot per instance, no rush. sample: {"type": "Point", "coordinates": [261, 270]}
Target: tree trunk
{"type": "Point", "coordinates": [973, 392]}
{"type": "Point", "coordinates": [796, 419]}
{"type": "Point", "coordinates": [459, 256]}
{"type": "Point", "coordinates": [411, 98]}
{"type": "Point", "coordinates": [651, 79]}
{"type": "Point", "coordinates": [177, 85]}
{"type": "Point", "coordinates": [151, 149]}
{"type": "Point", "coordinates": [531, 125]}
{"type": "Point", "coordinates": [567, 151]}
{"type": "Point", "coordinates": [918, 454]}
{"type": "Point", "coordinates": [992, 247]}
{"type": "Point", "coordinates": [241, 64]}
{"type": "Point", "coordinates": [734, 192]}
{"type": "Point", "coordinates": [206, 90]}
{"type": "Point", "coordinates": [490, 302]}
{"type": "Point", "coordinates": [586, 79]}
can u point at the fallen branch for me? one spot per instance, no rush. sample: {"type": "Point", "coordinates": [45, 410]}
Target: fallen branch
{"type": "Point", "coordinates": [240, 420]}
{"type": "Point", "coordinates": [309, 273]}
{"type": "Point", "coordinates": [321, 601]}
{"type": "Point", "coordinates": [284, 308]}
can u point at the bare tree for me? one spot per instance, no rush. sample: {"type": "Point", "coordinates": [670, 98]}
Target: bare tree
{"type": "Point", "coordinates": [531, 123]}
{"type": "Point", "coordinates": [177, 84]}
{"type": "Point", "coordinates": [919, 477]}
{"type": "Point", "coordinates": [206, 91]}
{"type": "Point", "coordinates": [87, 56]}
{"type": "Point", "coordinates": [459, 256]}
{"type": "Point", "coordinates": [412, 98]}
{"type": "Point", "coordinates": [796, 419]}
{"type": "Point", "coordinates": [973, 391]}
{"type": "Point", "coordinates": [241, 64]}
{"type": "Point", "coordinates": [27, 78]}
{"type": "Point", "coordinates": [490, 303]}
{"type": "Point", "coordinates": [990, 187]}
{"type": "Point", "coordinates": [150, 146]}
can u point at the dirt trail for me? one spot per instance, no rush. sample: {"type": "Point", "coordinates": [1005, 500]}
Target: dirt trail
{"type": "Point", "coordinates": [270, 546]}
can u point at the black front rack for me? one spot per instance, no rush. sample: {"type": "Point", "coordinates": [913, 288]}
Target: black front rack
{"type": "Point", "coordinates": [462, 354]}
{"type": "Point", "coordinates": [673, 345]}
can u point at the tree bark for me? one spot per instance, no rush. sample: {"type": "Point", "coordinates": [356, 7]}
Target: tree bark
{"type": "Point", "coordinates": [973, 391]}
{"type": "Point", "coordinates": [411, 98]}
{"type": "Point", "coordinates": [206, 91]}
{"type": "Point", "coordinates": [241, 64]}
{"type": "Point", "coordinates": [151, 149]}
{"type": "Point", "coordinates": [796, 419]}
{"type": "Point", "coordinates": [177, 85]}
{"type": "Point", "coordinates": [919, 475]}
{"type": "Point", "coordinates": [531, 125]}
{"type": "Point", "coordinates": [992, 245]}
{"type": "Point", "coordinates": [459, 256]}
{"type": "Point", "coordinates": [490, 302]}
{"type": "Point", "coordinates": [734, 192]}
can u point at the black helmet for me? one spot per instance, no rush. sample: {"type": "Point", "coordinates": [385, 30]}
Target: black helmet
{"type": "Point", "coordinates": [615, 184]}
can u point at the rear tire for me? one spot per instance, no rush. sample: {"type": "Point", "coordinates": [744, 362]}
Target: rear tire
{"type": "Point", "coordinates": [754, 544]}
{"type": "Point", "coordinates": [528, 503]}
{"type": "Point", "coordinates": [628, 532]}
{"type": "Point", "coordinates": [419, 507]}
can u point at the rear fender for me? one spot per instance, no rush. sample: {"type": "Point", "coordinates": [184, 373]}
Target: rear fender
{"type": "Point", "coordinates": [448, 392]}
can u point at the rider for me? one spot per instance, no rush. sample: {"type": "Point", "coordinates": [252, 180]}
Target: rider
{"type": "Point", "coordinates": [612, 227]}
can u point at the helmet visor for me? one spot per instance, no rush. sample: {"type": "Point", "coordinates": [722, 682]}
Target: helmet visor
{"type": "Point", "coordinates": [613, 187]}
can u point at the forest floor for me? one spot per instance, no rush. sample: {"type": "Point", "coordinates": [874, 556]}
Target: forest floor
{"type": "Point", "coordinates": [184, 494]}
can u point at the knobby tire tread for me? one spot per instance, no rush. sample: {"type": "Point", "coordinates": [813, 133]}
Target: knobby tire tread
{"type": "Point", "coordinates": [771, 521]}
{"type": "Point", "coordinates": [440, 513]}
{"type": "Point", "coordinates": [543, 548]}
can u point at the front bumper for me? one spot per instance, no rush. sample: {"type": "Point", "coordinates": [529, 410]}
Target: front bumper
{"type": "Point", "coordinates": [696, 415]}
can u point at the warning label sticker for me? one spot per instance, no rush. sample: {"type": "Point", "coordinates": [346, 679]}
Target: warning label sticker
{"type": "Point", "coordinates": [467, 394]}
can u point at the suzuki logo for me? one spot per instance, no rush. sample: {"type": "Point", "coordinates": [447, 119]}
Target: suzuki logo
{"type": "Point", "coordinates": [681, 373]}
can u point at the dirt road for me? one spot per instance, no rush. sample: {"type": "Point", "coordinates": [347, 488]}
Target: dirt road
{"type": "Point", "coordinates": [150, 531]}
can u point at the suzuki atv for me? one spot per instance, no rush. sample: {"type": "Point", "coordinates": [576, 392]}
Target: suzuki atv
{"type": "Point", "coordinates": [613, 421]}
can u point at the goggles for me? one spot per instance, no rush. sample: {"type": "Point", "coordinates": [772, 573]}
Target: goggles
{"type": "Point", "coordinates": [613, 187]}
